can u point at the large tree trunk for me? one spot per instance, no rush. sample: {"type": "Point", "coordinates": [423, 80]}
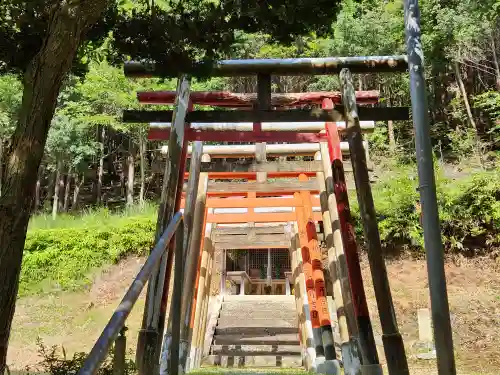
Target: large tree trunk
{"type": "Point", "coordinates": [67, 24]}
{"type": "Point", "coordinates": [57, 190]}
{"type": "Point", "coordinates": [130, 178]}
{"type": "Point", "coordinates": [1, 165]}
{"type": "Point", "coordinates": [142, 152]}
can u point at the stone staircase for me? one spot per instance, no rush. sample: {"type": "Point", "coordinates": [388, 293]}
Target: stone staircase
{"type": "Point", "coordinates": [256, 331]}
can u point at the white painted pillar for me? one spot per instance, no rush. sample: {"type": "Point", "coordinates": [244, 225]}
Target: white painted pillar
{"type": "Point", "coordinates": [242, 286]}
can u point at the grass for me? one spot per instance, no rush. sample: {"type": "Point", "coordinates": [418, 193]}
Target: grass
{"type": "Point", "coordinates": [60, 254]}
{"type": "Point", "coordinates": [92, 218]}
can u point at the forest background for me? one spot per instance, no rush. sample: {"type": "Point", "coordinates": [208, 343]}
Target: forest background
{"type": "Point", "coordinates": [99, 181]}
{"type": "Point", "coordinates": [92, 159]}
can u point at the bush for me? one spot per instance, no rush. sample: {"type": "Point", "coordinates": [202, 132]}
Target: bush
{"type": "Point", "coordinates": [62, 258]}
{"type": "Point", "coordinates": [469, 211]}
{"type": "Point", "coordinates": [55, 364]}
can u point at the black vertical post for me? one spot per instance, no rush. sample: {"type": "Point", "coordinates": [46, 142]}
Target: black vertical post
{"type": "Point", "coordinates": [119, 353]}
{"type": "Point", "coordinates": [393, 342]}
{"type": "Point", "coordinates": [427, 187]}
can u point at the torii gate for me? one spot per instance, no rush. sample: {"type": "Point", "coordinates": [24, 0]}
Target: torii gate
{"type": "Point", "coordinates": [262, 112]}
{"type": "Point", "coordinates": [269, 108]}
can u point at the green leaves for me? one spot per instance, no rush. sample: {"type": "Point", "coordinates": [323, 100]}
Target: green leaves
{"type": "Point", "coordinates": [10, 100]}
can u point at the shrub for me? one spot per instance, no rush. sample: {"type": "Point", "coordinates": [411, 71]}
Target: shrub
{"type": "Point", "coordinates": [55, 364]}
{"type": "Point", "coordinates": [62, 258]}
{"type": "Point", "coordinates": [469, 211]}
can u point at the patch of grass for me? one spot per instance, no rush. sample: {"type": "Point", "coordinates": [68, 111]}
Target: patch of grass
{"type": "Point", "coordinates": [60, 254]}
{"type": "Point", "coordinates": [92, 217]}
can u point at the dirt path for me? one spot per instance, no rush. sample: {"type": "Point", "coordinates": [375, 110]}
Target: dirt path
{"type": "Point", "coordinates": [74, 320]}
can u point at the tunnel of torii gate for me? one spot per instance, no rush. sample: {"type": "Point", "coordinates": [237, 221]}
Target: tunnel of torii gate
{"type": "Point", "coordinates": [276, 191]}
{"type": "Point", "coordinates": [258, 204]}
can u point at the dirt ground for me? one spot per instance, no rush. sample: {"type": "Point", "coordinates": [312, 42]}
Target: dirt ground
{"type": "Point", "coordinates": [75, 320]}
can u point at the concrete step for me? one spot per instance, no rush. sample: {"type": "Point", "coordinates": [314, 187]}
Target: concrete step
{"type": "Point", "coordinates": [245, 339]}
{"type": "Point", "coordinates": [260, 313]}
{"type": "Point", "coordinates": [254, 350]}
{"type": "Point", "coordinates": [255, 331]}
{"type": "Point", "coordinates": [241, 320]}
{"type": "Point", "coordinates": [253, 361]}
{"type": "Point", "coordinates": [258, 306]}
{"type": "Point", "coordinates": [259, 298]}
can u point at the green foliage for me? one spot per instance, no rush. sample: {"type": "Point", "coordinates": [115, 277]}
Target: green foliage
{"type": "Point", "coordinates": [61, 258]}
{"type": "Point", "coordinates": [53, 363]}
{"type": "Point", "coordinates": [490, 102]}
{"type": "Point", "coordinates": [470, 213]}
{"type": "Point", "coordinates": [10, 100]}
{"type": "Point", "coordinates": [469, 210]}
{"type": "Point", "coordinates": [190, 31]}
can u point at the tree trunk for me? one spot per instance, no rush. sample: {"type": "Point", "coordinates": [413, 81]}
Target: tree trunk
{"type": "Point", "coordinates": [37, 195]}
{"type": "Point", "coordinates": [495, 59]}
{"type": "Point", "coordinates": [130, 178]}
{"type": "Point", "coordinates": [76, 191]}
{"type": "Point", "coordinates": [67, 188]}
{"type": "Point", "coordinates": [464, 96]}
{"type": "Point", "coordinates": [100, 171]}
{"type": "Point", "coordinates": [62, 185]}
{"type": "Point", "coordinates": [123, 163]}
{"type": "Point", "coordinates": [142, 152]}
{"type": "Point", "coordinates": [68, 23]}
{"type": "Point", "coordinates": [392, 138]}
{"type": "Point", "coordinates": [57, 189]}
{"type": "Point", "coordinates": [1, 165]}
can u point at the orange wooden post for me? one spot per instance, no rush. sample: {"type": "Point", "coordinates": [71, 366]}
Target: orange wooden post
{"type": "Point", "coordinates": [318, 278]}
{"type": "Point", "coordinates": [307, 270]}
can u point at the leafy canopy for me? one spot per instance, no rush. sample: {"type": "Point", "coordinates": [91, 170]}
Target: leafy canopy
{"type": "Point", "coordinates": [174, 33]}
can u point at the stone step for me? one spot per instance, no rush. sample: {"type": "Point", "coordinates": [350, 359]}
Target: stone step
{"type": "Point", "coordinates": [253, 361]}
{"type": "Point", "coordinates": [262, 304]}
{"type": "Point", "coordinates": [241, 320]}
{"type": "Point", "coordinates": [245, 339]}
{"type": "Point", "coordinates": [252, 350]}
{"type": "Point", "coordinates": [259, 314]}
{"type": "Point", "coordinates": [257, 298]}
{"type": "Point", "coordinates": [255, 331]}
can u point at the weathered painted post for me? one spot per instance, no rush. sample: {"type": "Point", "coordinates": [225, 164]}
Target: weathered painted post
{"type": "Point", "coordinates": [303, 309]}
{"type": "Point", "coordinates": [337, 267]}
{"type": "Point", "coordinates": [149, 340]}
{"type": "Point", "coordinates": [175, 346]}
{"type": "Point", "coordinates": [204, 329]}
{"type": "Point", "coordinates": [307, 270]}
{"type": "Point", "coordinates": [195, 313]}
{"type": "Point", "coordinates": [194, 213]}
{"type": "Point", "coordinates": [263, 103]}
{"type": "Point", "coordinates": [427, 186]}
{"type": "Point", "coordinates": [393, 342]}
{"type": "Point", "coordinates": [312, 252]}
{"type": "Point", "coordinates": [362, 343]}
